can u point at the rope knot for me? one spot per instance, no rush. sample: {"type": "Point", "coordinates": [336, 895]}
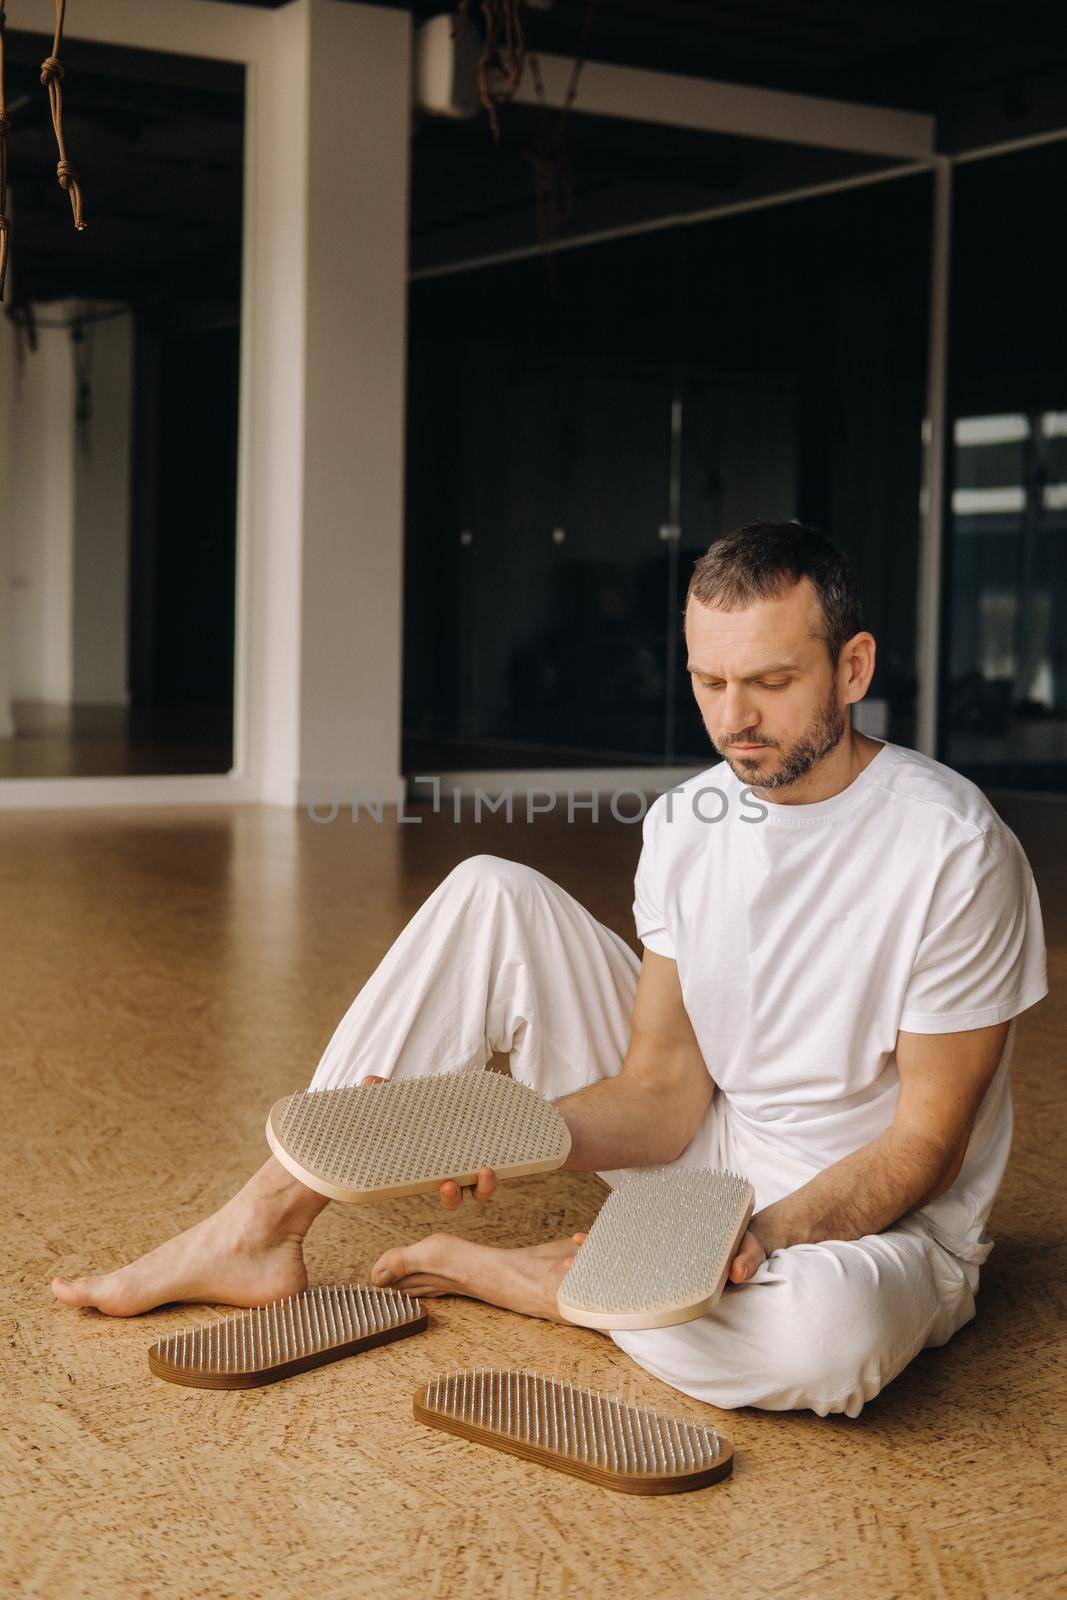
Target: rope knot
{"type": "Point", "coordinates": [5, 123]}
{"type": "Point", "coordinates": [52, 79]}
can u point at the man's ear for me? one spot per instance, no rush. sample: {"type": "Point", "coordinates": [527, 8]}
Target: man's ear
{"type": "Point", "coordinates": [856, 666]}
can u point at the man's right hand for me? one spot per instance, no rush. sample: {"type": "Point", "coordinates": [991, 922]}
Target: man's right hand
{"type": "Point", "coordinates": [483, 1190]}
{"type": "Point", "coordinates": [450, 1191]}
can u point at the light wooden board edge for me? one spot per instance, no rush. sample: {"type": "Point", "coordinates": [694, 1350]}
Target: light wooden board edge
{"type": "Point", "coordinates": [624, 1482]}
{"type": "Point", "coordinates": [258, 1378]}
{"type": "Point", "coordinates": [662, 1316]}
{"type": "Point", "coordinates": [359, 1197]}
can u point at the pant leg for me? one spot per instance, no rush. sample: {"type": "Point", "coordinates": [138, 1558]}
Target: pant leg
{"type": "Point", "coordinates": [498, 959]}
{"type": "Point", "coordinates": [820, 1327]}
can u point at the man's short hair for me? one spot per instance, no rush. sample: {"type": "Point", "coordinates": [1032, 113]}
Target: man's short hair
{"type": "Point", "coordinates": [762, 559]}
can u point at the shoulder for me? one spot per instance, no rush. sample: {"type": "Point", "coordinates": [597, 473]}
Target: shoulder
{"type": "Point", "coordinates": [950, 809]}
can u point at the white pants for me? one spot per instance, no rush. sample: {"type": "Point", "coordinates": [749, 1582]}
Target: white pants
{"type": "Point", "coordinates": [500, 959]}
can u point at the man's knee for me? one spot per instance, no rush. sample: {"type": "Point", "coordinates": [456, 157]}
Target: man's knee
{"type": "Point", "coordinates": [843, 1321]}
{"type": "Point", "coordinates": [816, 1330]}
{"type": "Point", "coordinates": [493, 873]}
{"type": "Point", "coordinates": [827, 1361]}
{"type": "Point", "coordinates": [816, 1324]}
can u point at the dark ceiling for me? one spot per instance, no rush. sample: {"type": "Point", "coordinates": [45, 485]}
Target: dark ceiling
{"type": "Point", "coordinates": [157, 140]}
{"type": "Point", "coordinates": [908, 53]}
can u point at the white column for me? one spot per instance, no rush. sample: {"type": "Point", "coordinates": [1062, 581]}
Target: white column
{"type": "Point", "coordinates": [353, 518]}
{"type": "Point", "coordinates": [931, 534]}
{"type": "Point", "coordinates": [326, 250]}
{"type": "Point", "coordinates": [271, 448]}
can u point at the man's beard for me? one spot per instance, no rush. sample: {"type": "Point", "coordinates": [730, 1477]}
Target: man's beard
{"type": "Point", "coordinates": [824, 735]}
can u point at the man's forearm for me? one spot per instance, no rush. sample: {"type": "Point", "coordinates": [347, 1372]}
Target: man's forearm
{"type": "Point", "coordinates": [627, 1122]}
{"type": "Point", "coordinates": [866, 1192]}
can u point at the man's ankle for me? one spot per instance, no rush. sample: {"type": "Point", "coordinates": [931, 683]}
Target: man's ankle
{"type": "Point", "coordinates": [280, 1200]}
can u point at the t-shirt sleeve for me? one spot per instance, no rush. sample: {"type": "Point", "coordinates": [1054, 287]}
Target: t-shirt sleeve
{"type": "Point", "coordinates": [648, 891]}
{"type": "Point", "coordinates": [981, 958]}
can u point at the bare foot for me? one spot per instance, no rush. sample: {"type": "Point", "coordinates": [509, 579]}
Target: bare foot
{"type": "Point", "coordinates": [247, 1254]}
{"type": "Point", "coordinates": [523, 1280]}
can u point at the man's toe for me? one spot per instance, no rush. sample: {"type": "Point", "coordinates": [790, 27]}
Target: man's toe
{"type": "Point", "coordinates": [388, 1268]}
{"type": "Point", "coordinates": [73, 1291]}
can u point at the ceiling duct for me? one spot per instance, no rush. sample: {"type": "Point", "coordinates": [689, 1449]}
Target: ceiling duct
{"type": "Point", "coordinates": [446, 68]}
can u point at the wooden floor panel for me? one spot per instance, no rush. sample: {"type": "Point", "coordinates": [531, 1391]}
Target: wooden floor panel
{"type": "Point", "coordinates": [165, 977]}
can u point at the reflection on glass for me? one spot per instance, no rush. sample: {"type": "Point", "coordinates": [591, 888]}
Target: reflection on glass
{"type": "Point", "coordinates": [1007, 664]}
{"type": "Point", "coordinates": [1005, 708]}
{"type": "Point", "coordinates": [118, 425]}
{"type": "Point", "coordinates": [539, 473]}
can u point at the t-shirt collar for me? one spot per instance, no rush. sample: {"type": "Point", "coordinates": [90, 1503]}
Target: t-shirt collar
{"type": "Point", "coordinates": [803, 816]}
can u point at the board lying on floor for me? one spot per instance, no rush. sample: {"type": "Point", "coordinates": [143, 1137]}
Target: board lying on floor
{"type": "Point", "coordinates": [288, 1336]}
{"type": "Point", "coordinates": [659, 1251]}
{"type": "Point", "coordinates": [581, 1431]}
{"type": "Point", "coordinates": [375, 1141]}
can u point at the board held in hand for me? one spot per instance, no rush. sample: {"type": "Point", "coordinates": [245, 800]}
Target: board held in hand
{"type": "Point", "coordinates": [659, 1251]}
{"type": "Point", "coordinates": [375, 1141]}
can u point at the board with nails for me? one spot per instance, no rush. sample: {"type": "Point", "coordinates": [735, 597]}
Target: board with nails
{"type": "Point", "coordinates": [659, 1250]}
{"type": "Point", "coordinates": [376, 1141]}
{"type": "Point", "coordinates": [287, 1336]}
{"type": "Point", "coordinates": [592, 1435]}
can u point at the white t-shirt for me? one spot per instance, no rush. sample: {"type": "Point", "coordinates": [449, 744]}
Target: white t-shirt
{"type": "Point", "coordinates": [806, 936]}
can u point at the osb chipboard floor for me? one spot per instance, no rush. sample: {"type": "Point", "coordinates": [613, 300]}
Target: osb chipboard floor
{"type": "Point", "coordinates": [165, 977]}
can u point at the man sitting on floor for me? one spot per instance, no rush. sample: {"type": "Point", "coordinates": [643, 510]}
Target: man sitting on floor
{"type": "Point", "coordinates": [837, 935]}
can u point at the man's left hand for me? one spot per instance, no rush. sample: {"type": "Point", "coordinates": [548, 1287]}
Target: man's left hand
{"type": "Point", "coordinates": [749, 1257]}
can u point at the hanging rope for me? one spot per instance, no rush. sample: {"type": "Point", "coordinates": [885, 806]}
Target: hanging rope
{"type": "Point", "coordinates": [549, 156]}
{"type": "Point", "coordinates": [3, 159]}
{"type": "Point", "coordinates": [503, 57]}
{"type": "Point", "coordinates": [52, 78]}
{"type": "Point", "coordinates": [503, 60]}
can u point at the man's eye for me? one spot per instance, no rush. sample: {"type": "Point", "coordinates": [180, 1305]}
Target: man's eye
{"type": "Point", "coordinates": [783, 685]}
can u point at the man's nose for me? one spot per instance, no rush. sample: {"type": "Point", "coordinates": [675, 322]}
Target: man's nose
{"type": "Point", "coordinates": [738, 713]}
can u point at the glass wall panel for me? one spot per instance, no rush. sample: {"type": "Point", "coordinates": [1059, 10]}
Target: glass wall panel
{"type": "Point", "coordinates": [119, 419]}
{"type": "Point", "coordinates": [803, 390]}
{"type": "Point", "coordinates": [1004, 713]}
{"type": "Point", "coordinates": [578, 438]}
{"type": "Point", "coordinates": [539, 488]}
